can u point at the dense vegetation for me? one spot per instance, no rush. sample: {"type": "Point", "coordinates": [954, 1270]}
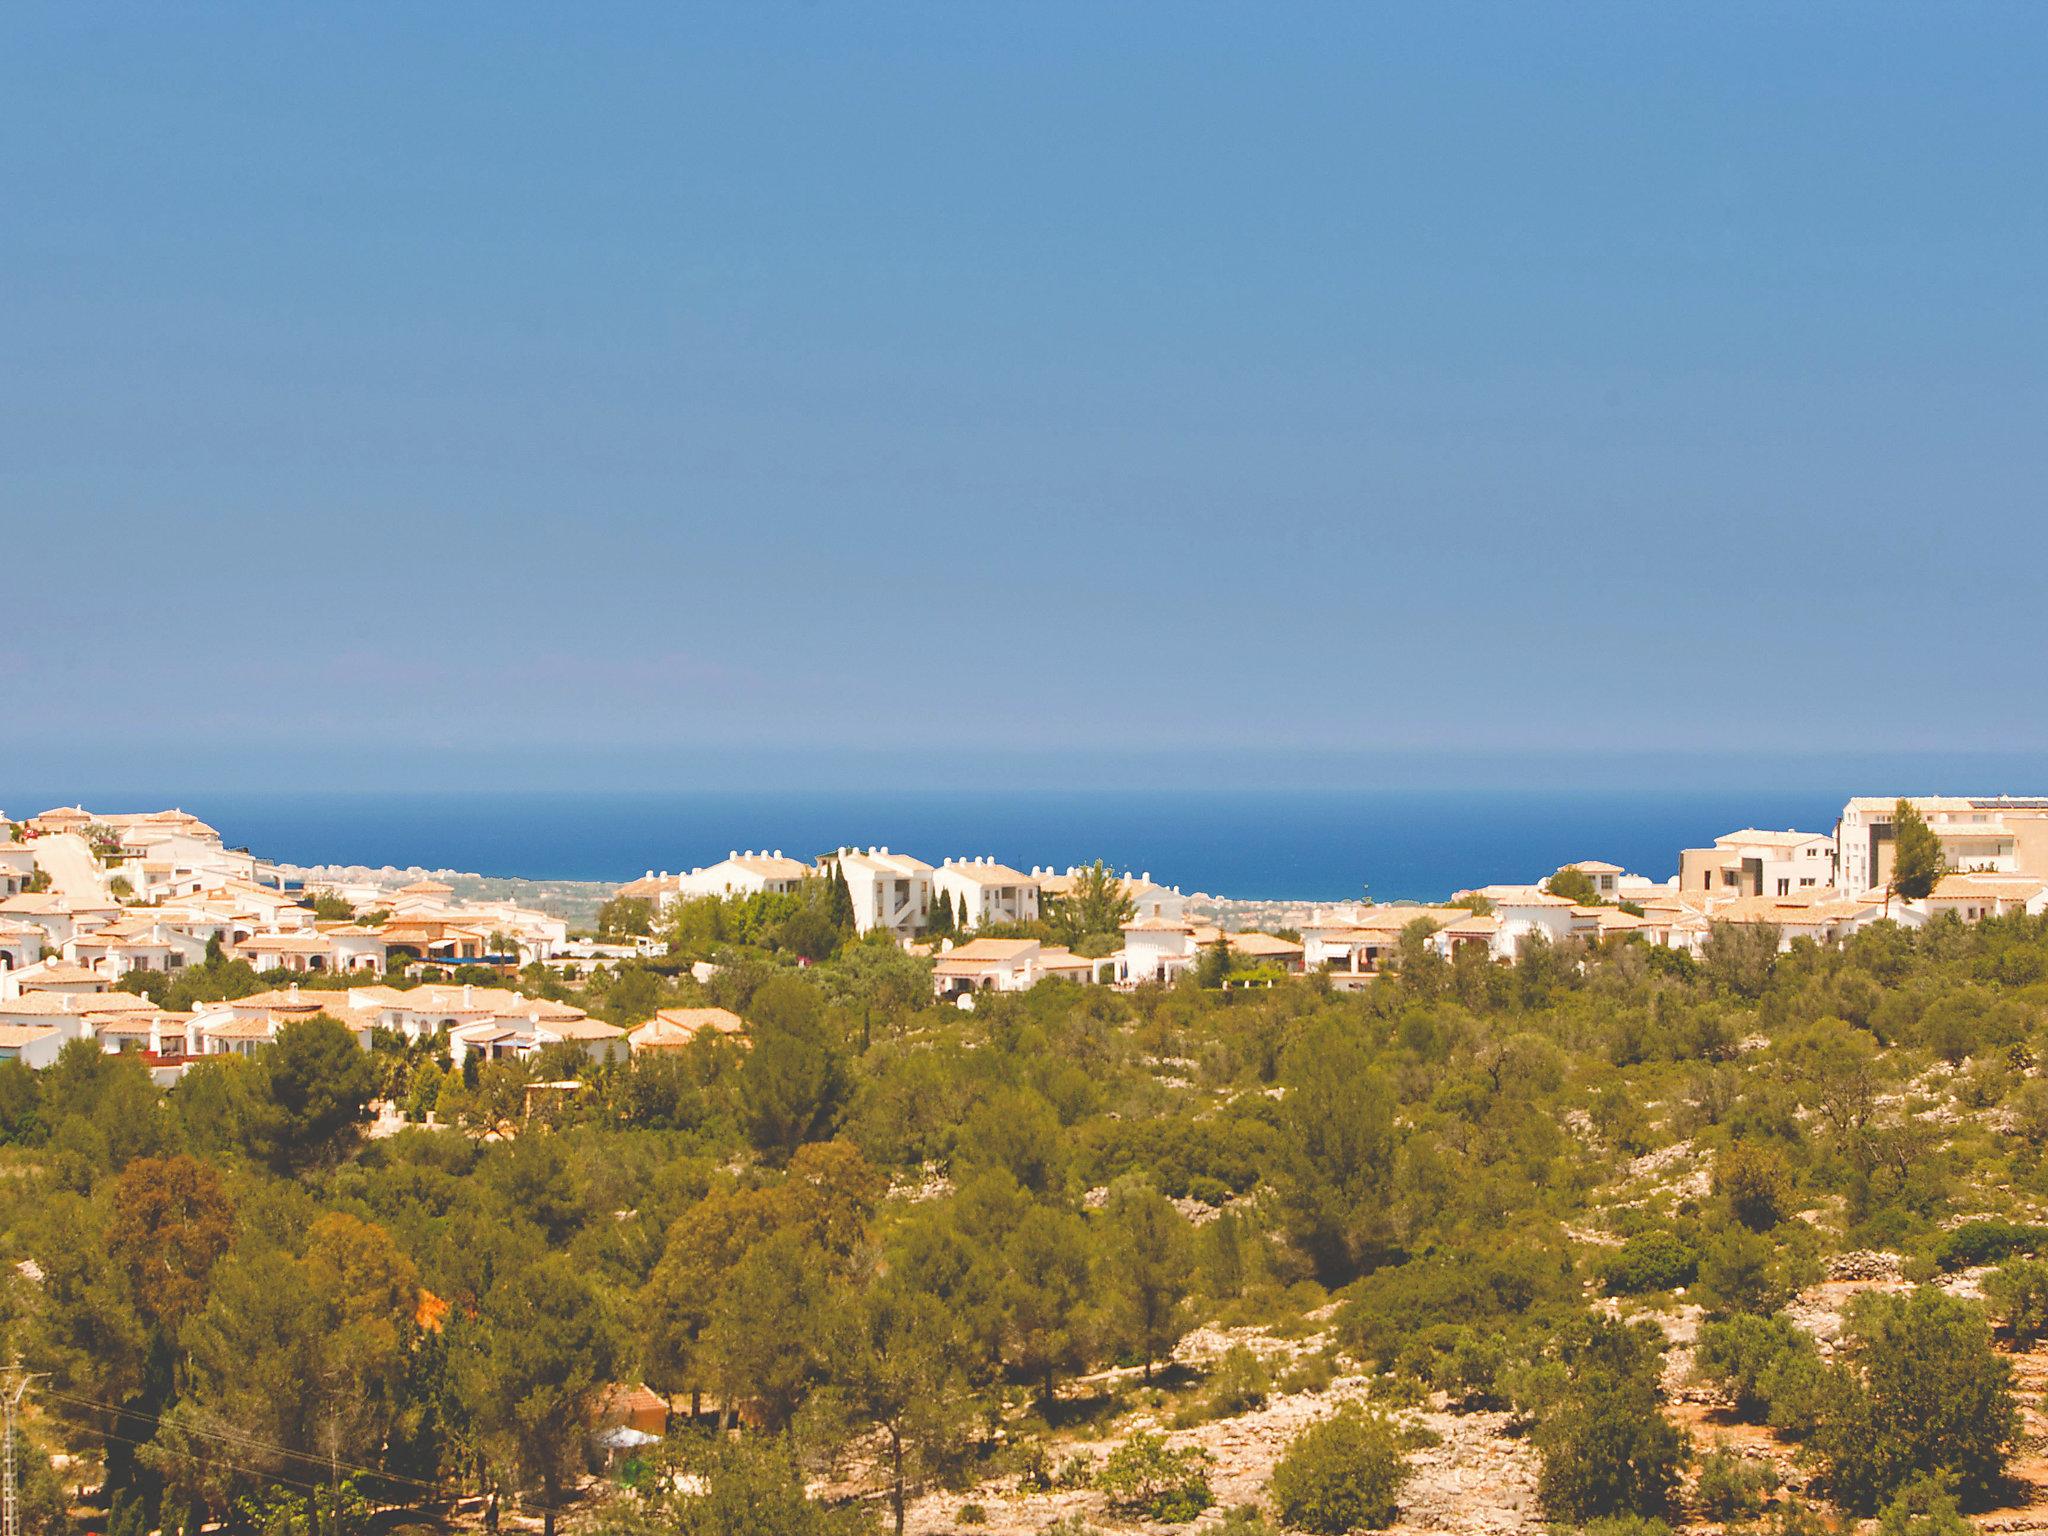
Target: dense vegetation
{"type": "Point", "coordinates": [895, 1244]}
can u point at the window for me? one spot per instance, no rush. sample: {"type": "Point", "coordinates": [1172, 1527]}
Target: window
{"type": "Point", "coordinates": [1784, 887]}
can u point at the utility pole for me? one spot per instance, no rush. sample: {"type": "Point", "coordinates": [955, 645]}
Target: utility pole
{"type": "Point", "coordinates": [10, 1403]}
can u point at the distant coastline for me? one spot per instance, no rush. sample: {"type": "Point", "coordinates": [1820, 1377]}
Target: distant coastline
{"type": "Point", "coordinates": [1253, 845]}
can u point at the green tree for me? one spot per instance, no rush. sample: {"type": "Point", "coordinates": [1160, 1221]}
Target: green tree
{"type": "Point", "coordinates": [1048, 1325]}
{"type": "Point", "coordinates": [534, 1361]}
{"type": "Point", "coordinates": [316, 1085]}
{"type": "Point", "coordinates": [1215, 963]}
{"type": "Point", "coordinates": [1606, 1447]}
{"type": "Point", "coordinates": [1925, 1506]}
{"type": "Point", "coordinates": [1917, 859]}
{"type": "Point", "coordinates": [1016, 1130]}
{"type": "Point", "coordinates": [1741, 957]}
{"type": "Point", "coordinates": [1755, 1182]}
{"type": "Point", "coordinates": [21, 1100]}
{"type": "Point", "coordinates": [302, 1355]}
{"type": "Point", "coordinates": [1922, 1390]}
{"type": "Point", "coordinates": [172, 1221]}
{"type": "Point", "coordinates": [625, 917]}
{"type": "Point", "coordinates": [839, 900]}
{"type": "Point", "coordinates": [1097, 903]}
{"type": "Point", "coordinates": [1336, 1151]}
{"type": "Point", "coordinates": [1757, 1361]}
{"type": "Point", "coordinates": [762, 1343]}
{"type": "Point", "coordinates": [899, 1358]}
{"type": "Point", "coordinates": [329, 907]}
{"type": "Point", "coordinates": [84, 1328]}
{"type": "Point", "coordinates": [703, 1248]}
{"type": "Point", "coordinates": [1574, 884]}
{"type": "Point", "coordinates": [1147, 1267]}
{"type": "Point", "coordinates": [794, 1079]}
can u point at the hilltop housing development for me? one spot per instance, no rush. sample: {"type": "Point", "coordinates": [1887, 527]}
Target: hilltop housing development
{"type": "Point", "coordinates": [90, 899]}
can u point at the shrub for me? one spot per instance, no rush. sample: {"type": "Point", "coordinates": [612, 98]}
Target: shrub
{"type": "Point", "coordinates": [1797, 1385]}
{"type": "Point", "coordinates": [1310, 1373]}
{"type": "Point", "coordinates": [1652, 1261]}
{"type": "Point", "coordinates": [1986, 1242]}
{"type": "Point", "coordinates": [1732, 1487]}
{"type": "Point", "coordinates": [2018, 1295]}
{"type": "Point", "coordinates": [972, 1514]}
{"type": "Point", "coordinates": [1145, 1476]}
{"type": "Point", "coordinates": [1754, 1181]}
{"type": "Point", "coordinates": [1239, 1383]}
{"type": "Point", "coordinates": [2030, 1110]}
{"type": "Point", "coordinates": [1468, 1371]}
{"type": "Point", "coordinates": [1924, 1507]}
{"type": "Point", "coordinates": [1626, 1525]}
{"type": "Point", "coordinates": [1607, 1448]}
{"type": "Point", "coordinates": [1747, 1356]}
{"type": "Point", "coordinates": [1484, 1288]}
{"type": "Point", "coordinates": [1739, 1272]}
{"type": "Point", "coordinates": [1342, 1474]}
{"type": "Point", "coordinates": [1921, 1391]}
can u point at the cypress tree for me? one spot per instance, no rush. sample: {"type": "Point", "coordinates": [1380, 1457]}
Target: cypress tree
{"type": "Point", "coordinates": [841, 910]}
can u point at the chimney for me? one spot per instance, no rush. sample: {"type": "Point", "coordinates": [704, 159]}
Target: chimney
{"type": "Point", "coordinates": [467, 991]}
{"type": "Point", "coordinates": [293, 992]}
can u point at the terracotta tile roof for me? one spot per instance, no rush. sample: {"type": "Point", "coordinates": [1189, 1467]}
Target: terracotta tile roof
{"type": "Point", "coordinates": [986, 874]}
{"type": "Point", "coordinates": [1757, 837]}
{"type": "Point", "coordinates": [673, 1028]}
{"type": "Point", "coordinates": [583, 1027]}
{"type": "Point", "coordinates": [1263, 944]}
{"type": "Point", "coordinates": [15, 1036]}
{"type": "Point", "coordinates": [55, 973]}
{"type": "Point", "coordinates": [895, 865]}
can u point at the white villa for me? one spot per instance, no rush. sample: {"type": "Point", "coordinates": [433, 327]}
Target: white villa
{"type": "Point", "coordinates": [1005, 965]}
{"type": "Point", "coordinates": [17, 866]}
{"type": "Point", "coordinates": [890, 891]}
{"type": "Point", "coordinates": [988, 892]}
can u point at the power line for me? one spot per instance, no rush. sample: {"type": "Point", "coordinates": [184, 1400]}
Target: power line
{"type": "Point", "coordinates": [217, 1461]}
{"type": "Point", "coordinates": [242, 1440]}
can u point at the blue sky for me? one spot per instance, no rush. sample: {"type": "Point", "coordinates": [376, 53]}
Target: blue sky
{"type": "Point", "coordinates": [514, 394]}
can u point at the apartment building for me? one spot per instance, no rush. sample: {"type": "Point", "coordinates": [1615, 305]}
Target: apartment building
{"type": "Point", "coordinates": [1993, 834]}
{"type": "Point", "coordinates": [1754, 862]}
{"type": "Point", "coordinates": [890, 891]}
{"type": "Point", "coordinates": [987, 891]}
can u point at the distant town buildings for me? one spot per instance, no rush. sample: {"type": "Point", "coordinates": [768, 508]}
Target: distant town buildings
{"type": "Point", "coordinates": [92, 905]}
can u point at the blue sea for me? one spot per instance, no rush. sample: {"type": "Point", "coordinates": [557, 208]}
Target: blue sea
{"type": "Point", "coordinates": [1311, 845]}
